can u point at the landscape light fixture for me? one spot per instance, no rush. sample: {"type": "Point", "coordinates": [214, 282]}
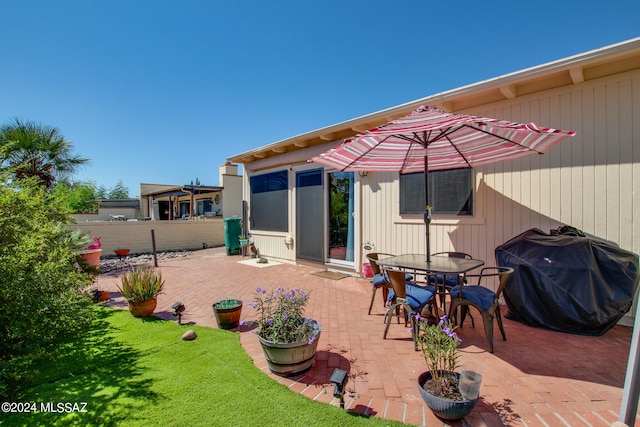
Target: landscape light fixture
{"type": "Point", "coordinates": [178, 308]}
{"type": "Point", "coordinates": [339, 379]}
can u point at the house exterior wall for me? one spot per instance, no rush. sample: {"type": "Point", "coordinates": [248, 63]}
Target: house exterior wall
{"type": "Point", "coordinates": [231, 195]}
{"type": "Point", "coordinates": [145, 189]}
{"type": "Point", "coordinates": [274, 244]}
{"type": "Point", "coordinates": [590, 181]}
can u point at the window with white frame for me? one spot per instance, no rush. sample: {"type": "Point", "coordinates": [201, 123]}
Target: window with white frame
{"type": "Point", "coordinates": [450, 192]}
{"type": "Point", "coordinates": [203, 206]}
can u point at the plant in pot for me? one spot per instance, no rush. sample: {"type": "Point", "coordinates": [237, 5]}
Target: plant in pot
{"type": "Point", "coordinates": [88, 260]}
{"type": "Point", "coordinates": [288, 339]}
{"type": "Point", "coordinates": [243, 239]}
{"type": "Point", "coordinates": [448, 394]}
{"type": "Point", "coordinates": [227, 313]}
{"type": "Point", "coordinates": [140, 287]}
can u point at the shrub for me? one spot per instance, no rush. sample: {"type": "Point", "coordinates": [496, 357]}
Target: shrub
{"type": "Point", "coordinates": [42, 302]}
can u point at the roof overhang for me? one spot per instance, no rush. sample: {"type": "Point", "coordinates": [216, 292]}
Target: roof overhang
{"type": "Point", "coordinates": [183, 191]}
{"type": "Point", "coordinates": [606, 61]}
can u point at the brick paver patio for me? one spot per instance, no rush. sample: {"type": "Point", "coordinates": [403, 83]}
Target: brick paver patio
{"type": "Point", "coordinates": [536, 378]}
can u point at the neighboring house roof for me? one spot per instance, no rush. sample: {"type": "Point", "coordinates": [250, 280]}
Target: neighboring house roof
{"type": "Point", "coordinates": [119, 203]}
{"type": "Point", "coordinates": [606, 61]}
{"type": "Point", "coordinates": [183, 190]}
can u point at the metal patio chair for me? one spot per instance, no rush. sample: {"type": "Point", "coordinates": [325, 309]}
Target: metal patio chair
{"type": "Point", "coordinates": [482, 298]}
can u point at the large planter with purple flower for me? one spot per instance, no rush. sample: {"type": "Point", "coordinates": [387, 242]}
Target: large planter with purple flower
{"type": "Point", "coordinates": [293, 357]}
{"type": "Point", "coordinates": [289, 340]}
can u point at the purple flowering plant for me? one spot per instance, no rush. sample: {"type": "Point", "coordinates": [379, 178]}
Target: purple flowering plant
{"type": "Point", "coordinates": [439, 345]}
{"type": "Point", "coordinates": [280, 315]}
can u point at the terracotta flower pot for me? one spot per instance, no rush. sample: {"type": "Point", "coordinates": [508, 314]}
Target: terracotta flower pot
{"type": "Point", "coordinates": [91, 256]}
{"type": "Point", "coordinates": [101, 296]}
{"type": "Point", "coordinates": [143, 308]}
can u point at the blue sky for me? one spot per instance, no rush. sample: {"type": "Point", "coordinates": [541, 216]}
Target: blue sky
{"type": "Point", "coordinates": [164, 91]}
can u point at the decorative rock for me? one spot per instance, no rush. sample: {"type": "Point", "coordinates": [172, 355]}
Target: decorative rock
{"type": "Point", "coordinates": [189, 335]}
{"type": "Point", "coordinates": [262, 260]}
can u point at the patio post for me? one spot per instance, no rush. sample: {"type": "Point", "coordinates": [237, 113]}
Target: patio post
{"type": "Point", "coordinates": [631, 392]}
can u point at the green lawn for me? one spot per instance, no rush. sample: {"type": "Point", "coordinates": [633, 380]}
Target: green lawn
{"type": "Point", "coordinates": [133, 371]}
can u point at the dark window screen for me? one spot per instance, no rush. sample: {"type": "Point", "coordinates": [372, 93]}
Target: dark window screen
{"type": "Point", "coordinates": [270, 201]}
{"type": "Point", "coordinates": [450, 192]}
{"type": "Point", "coordinates": [309, 178]}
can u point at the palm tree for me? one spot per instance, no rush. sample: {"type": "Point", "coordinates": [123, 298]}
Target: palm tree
{"type": "Point", "coordinates": [30, 149]}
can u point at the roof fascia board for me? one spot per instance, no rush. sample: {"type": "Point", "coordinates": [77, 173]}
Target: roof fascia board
{"type": "Point", "coordinates": [288, 159]}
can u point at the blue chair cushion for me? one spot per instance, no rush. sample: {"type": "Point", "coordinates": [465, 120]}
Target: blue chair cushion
{"type": "Point", "coordinates": [417, 296]}
{"type": "Point", "coordinates": [451, 279]}
{"type": "Point", "coordinates": [379, 279]}
{"type": "Point", "coordinates": [479, 295]}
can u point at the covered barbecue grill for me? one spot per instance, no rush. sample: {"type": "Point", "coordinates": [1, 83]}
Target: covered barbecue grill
{"type": "Point", "coordinates": [567, 281]}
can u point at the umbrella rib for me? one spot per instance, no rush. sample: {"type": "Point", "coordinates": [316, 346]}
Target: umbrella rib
{"type": "Point", "coordinates": [363, 154]}
{"type": "Point", "coordinates": [415, 138]}
{"type": "Point", "coordinates": [502, 138]}
{"type": "Point", "coordinates": [406, 156]}
{"type": "Point", "coordinates": [424, 142]}
{"type": "Point", "coordinates": [462, 156]}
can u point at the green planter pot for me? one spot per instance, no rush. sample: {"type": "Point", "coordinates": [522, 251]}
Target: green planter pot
{"type": "Point", "coordinates": [445, 408]}
{"type": "Point", "coordinates": [227, 313]}
{"type": "Point", "coordinates": [288, 359]}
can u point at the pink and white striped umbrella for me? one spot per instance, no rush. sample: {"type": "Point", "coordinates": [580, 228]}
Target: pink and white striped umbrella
{"type": "Point", "coordinates": [430, 139]}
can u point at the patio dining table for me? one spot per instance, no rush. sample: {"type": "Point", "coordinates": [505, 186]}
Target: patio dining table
{"type": "Point", "coordinates": [436, 266]}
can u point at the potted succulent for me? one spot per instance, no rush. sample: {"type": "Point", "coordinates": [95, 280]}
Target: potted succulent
{"type": "Point", "coordinates": [244, 241]}
{"type": "Point", "coordinates": [288, 339]}
{"type": "Point", "coordinates": [140, 287]}
{"type": "Point", "coordinates": [440, 386]}
{"type": "Point", "coordinates": [227, 313]}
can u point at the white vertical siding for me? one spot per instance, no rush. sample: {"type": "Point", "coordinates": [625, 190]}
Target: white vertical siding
{"type": "Point", "coordinates": [591, 181]}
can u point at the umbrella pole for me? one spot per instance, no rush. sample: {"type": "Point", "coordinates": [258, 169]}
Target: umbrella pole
{"type": "Point", "coordinates": [427, 208]}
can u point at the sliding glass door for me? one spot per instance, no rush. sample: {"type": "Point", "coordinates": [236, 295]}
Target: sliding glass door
{"type": "Point", "coordinates": [340, 217]}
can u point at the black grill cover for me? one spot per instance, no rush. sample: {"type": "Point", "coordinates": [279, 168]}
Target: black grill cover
{"type": "Point", "coordinates": [568, 282]}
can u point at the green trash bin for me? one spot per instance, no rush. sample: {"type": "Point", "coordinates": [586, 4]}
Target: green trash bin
{"type": "Point", "coordinates": [232, 232]}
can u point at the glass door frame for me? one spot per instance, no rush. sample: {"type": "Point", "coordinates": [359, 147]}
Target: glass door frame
{"type": "Point", "coordinates": [327, 214]}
